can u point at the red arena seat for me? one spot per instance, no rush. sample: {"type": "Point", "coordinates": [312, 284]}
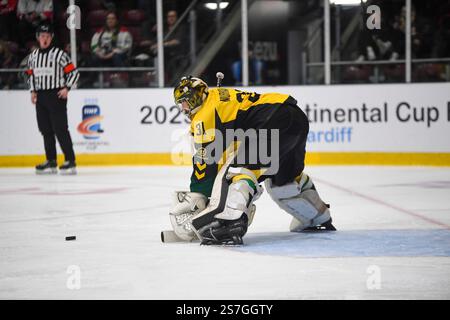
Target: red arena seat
{"type": "Point", "coordinates": [133, 17]}
{"type": "Point", "coordinates": [97, 18]}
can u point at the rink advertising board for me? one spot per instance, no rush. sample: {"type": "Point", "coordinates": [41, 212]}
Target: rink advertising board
{"type": "Point", "coordinates": [349, 124]}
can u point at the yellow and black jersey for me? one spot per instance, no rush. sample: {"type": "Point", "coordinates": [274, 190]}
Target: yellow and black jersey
{"type": "Point", "coordinates": [227, 109]}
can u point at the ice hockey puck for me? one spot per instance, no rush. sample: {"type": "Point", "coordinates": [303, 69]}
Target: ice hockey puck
{"type": "Point", "coordinates": [71, 238]}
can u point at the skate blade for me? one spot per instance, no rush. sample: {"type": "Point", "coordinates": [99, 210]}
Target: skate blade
{"type": "Point", "coordinates": [46, 172]}
{"type": "Point", "coordinates": [68, 172]}
{"type": "Point", "coordinates": [228, 243]}
{"type": "Point", "coordinates": [221, 244]}
{"type": "Point", "coordinates": [317, 229]}
{"type": "Point", "coordinates": [324, 227]}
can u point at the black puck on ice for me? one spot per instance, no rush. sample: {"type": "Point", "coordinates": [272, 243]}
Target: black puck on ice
{"type": "Point", "coordinates": [71, 238]}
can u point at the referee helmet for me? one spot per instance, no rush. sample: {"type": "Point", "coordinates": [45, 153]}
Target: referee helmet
{"type": "Point", "coordinates": [44, 27]}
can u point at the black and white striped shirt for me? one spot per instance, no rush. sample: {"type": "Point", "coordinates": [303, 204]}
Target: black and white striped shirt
{"type": "Point", "coordinates": [50, 69]}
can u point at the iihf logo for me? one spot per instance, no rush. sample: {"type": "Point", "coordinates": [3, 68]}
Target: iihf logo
{"type": "Point", "coordinates": [90, 126]}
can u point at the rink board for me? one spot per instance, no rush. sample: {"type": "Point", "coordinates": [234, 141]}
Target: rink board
{"type": "Point", "coordinates": [395, 124]}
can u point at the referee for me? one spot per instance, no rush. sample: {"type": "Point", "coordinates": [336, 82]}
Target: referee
{"type": "Point", "coordinates": [50, 76]}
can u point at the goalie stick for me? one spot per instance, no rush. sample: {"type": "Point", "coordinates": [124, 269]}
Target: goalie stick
{"type": "Point", "coordinates": [169, 236]}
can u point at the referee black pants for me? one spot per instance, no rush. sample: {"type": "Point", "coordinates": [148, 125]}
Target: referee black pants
{"type": "Point", "coordinates": [51, 114]}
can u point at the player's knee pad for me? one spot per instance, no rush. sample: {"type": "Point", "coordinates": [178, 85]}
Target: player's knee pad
{"type": "Point", "coordinates": [301, 200]}
{"type": "Point", "coordinates": [185, 206]}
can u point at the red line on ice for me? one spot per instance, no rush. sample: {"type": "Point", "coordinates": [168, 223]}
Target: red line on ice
{"type": "Point", "coordinates": [386, 204]}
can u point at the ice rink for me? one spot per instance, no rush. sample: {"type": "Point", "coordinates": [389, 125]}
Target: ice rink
{"type": "Point", "coordinates": [393, 239]}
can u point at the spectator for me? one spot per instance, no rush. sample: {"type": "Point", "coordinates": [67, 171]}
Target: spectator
{"type": "Point", "coordinates": [81, 58]}
{"type": "Point", "coordinates": [111, 45]}
{"type": "Point", "coordinates": [441, 48]}
{"type": "Point", "coordinates": [175, 40]}
{"type": "Point", "coordinates": [176, 37]}
{"type": "Point", "coordinates": [6, 61]}
{"type": "Point", "coordinates": [256, 67]}
{"type": "Point", "coordinates": [32, 13]}
{"type": "Point", "coordinates": [7, 18]}
{"type": "Point", "coordinates": [377, 44]}
{"type": "Point", "coordinates": [148, 32]}
{"type": "Point", "coordinates": [421, 35]}
{"type": "Point", "coordinates": [173, 46]}
{"type": "Point", "coordinates": [23, 65]}
{"type": "Point", "coordinates": [373, 47]}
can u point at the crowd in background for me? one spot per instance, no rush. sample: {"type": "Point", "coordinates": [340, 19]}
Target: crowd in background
{"type": "Point", "coordinates": [429, 35]}
{"type": "Point", "coordinates": [122, 33]}
{"type": "Point", "coordinates": [430, 38]}
{"type": "Point", "coordinates": [119, 33]}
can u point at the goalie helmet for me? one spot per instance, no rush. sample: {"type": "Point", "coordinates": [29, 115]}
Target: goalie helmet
{"type": "Point", "coordinates": [192, 90]}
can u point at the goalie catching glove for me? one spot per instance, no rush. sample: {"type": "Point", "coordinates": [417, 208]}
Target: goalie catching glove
{"type": "Point", "coordinates": [185, 206]}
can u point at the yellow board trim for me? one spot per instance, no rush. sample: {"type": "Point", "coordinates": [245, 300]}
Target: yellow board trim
{"type": "Point", "coordinates": [312, 158]}
{"type": "Point", "coordinates": [378, 158]}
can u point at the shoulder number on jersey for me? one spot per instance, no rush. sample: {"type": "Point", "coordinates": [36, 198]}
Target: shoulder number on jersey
{"type": "Point", "coordinates": [200, 128]}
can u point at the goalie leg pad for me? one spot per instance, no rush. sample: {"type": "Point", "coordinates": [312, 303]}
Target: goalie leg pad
{"type": "Point", "coordinates": [225, 225]}
{"type": "Point", "coordinates": [300, 200]}
{"type": "Point", "coordinates": [240, 195]}
{"type": "Point", "coordinates": [239, 199]}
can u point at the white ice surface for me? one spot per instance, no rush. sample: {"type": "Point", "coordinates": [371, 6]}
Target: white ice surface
{"type": "Point", "coordinates": [394, 218]}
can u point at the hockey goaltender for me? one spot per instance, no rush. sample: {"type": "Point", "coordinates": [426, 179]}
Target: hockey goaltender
{"type": "Point", "coordinates": [227, 173]}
